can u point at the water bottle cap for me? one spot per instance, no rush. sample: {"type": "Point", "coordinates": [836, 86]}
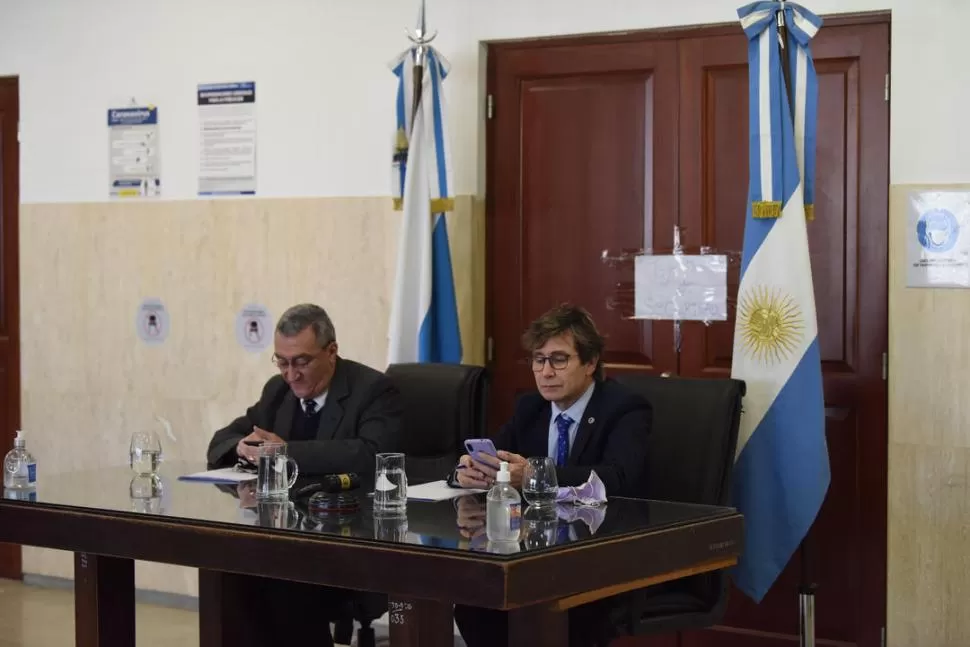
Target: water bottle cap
{"type": "Point", "coordinates": [503, 473]}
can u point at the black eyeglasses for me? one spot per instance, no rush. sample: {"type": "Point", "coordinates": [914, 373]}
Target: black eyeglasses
{"type": "Point", "coordinates": [299, 362]}
{"type": "Point", "coordinates": [558, 361]}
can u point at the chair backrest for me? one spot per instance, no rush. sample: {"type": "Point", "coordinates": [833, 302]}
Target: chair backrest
{"type": "Point", "coordinates": [443, 405]}
{"type": "Point", "coordinates": [693, 438]}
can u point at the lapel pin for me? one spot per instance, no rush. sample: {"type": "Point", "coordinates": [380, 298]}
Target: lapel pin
{"type": "Point", "coordinates": [591, 420]}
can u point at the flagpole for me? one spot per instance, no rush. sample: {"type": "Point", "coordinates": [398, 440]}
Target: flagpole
{"type": "Point", "coordinates": [421, 40]}
{"type": "Point", "coordinates": [806, 587]}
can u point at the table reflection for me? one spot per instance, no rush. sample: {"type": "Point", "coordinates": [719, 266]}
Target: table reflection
{"type": "Point", "coordinates": [457, 524]}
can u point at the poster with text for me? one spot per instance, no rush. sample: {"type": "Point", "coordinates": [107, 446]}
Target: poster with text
{"type": "Point", "coordinates": [227, 138]}
{"type": "Point", "coordinates": [134, 161]}
{"type": "Point", "coordinates": [938, 239]}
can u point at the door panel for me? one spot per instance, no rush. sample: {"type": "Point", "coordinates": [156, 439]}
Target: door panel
{"type": "Point", "coordinates": [10, 565]}
{"type": "Point", "coordinates": [576, 133]}
{"type": "Point", "coordinates": [850, 278]}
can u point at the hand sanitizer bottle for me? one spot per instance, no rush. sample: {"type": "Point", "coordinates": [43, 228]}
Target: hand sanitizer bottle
{"type": "Point", "coordinates": [503, 509]}
{"type": "Point", "coordinates": [19, 467]}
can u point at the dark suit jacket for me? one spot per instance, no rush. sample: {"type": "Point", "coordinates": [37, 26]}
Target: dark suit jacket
{"type": "Point", "coordinates": [611, 439]}
{"type": "Point", "coordinates": [360, 418]}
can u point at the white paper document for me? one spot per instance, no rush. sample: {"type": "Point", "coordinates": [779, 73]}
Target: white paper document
{"type": "Point", "coordinates": [227, 138]}
{"type": "Point", "coordinates": [437, 491]}
{"type": "Point", "coordinates": [689, 288]}
{"type": "Point", "coordinates": [224, 475]}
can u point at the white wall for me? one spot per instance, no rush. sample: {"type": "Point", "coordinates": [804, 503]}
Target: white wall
{"type": "Point", "coordinates": [324, 90]}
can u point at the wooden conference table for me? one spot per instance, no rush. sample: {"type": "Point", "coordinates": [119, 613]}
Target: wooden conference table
{"type": "Point", "coordinates": [426, 563]}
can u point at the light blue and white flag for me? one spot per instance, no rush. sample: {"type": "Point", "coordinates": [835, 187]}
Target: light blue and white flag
{"type": "Point", "coordinates": [781, 473]}
{"type": "Point", "coordinates": [424, 314]}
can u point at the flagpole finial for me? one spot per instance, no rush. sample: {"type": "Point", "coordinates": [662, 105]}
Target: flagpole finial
{"type": "Point", "coordinates": [420, 37]}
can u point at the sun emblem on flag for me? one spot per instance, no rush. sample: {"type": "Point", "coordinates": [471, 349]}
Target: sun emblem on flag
{"type": "Point", "coordinates": [770, 324]}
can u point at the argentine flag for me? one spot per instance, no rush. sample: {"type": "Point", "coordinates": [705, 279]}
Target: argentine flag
{"type": "Point", "coordinates": [424, 314]}
{"type": "Point", "coordinates": [781, 472]}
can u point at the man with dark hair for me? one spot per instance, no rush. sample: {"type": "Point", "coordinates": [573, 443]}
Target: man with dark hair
{"type": "Point", "coordinates": [334, 414]}
{"type": "Point", "coordinates": [580, 419]}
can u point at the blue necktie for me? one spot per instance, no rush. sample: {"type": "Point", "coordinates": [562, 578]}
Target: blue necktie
{"type": "Point", "coordinates": [563, 423]}
{"type": "Point", "coordinates": [562, 533]}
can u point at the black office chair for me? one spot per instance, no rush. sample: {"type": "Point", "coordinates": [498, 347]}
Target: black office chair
{"type": "Point", "coordinates": [443, 405]}
{"type": "Point", "coordinates": [691, 458]}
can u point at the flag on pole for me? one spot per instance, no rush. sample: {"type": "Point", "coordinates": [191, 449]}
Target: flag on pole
{"type": "Point", "coordinates": [424, 314]}
{"type": "Point", "coordinates": [781, 471]}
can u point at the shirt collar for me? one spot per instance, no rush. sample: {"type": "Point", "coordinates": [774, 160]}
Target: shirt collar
{"type": "Point", "coordinates": [575, 411]}
{"type": "Point", "coordinates": [320, 400]}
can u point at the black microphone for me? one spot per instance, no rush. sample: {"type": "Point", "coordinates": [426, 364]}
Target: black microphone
{"type": "Point", "coordinates": [330, 484]}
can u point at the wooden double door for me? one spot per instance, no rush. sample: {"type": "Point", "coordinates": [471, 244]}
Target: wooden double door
{"type": "Point", "coordinates": [607, 143]}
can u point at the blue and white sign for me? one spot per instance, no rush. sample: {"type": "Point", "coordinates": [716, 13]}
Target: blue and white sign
{"type": "Point", "coordinates": [938, 239]}
{"type": "Point", "coordinates": [134, 152]}
{"type": "Point", "coordinates": [254, 328]}
{"type": "Point", "coordinates": [152, 322]}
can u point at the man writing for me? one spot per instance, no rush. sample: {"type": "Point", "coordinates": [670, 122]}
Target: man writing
{"type": "Point", "coordinates": [579, 419]}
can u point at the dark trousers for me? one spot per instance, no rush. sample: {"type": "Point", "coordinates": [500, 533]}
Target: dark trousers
{"type": "Point", "coordinates": [490, 628]}
{"type": "Point", "coordinates": [283, 611]}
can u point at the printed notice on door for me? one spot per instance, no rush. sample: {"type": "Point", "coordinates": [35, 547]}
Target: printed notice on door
{"type": "Point", "coordinates": [134, 161]}
{"type": "Point", "coordinates": [227, 138]}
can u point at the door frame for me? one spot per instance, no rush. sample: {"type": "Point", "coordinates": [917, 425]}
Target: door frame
{"type": "Point", "coordinates": [11, 562]}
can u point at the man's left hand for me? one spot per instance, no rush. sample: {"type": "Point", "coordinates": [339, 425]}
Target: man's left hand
{"type": "Point", "coordinates": [267, 436]}
{"type": "Point", "coordinates": [489, 466]}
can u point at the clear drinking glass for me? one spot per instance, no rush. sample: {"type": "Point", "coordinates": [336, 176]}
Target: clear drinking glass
{"type": "Point", "coordinates": [277, 513]}
{"type": "Point", "coordinates": [390, 485]}
{"type": "Point", "coordinates": [273, 479]}
{"type": "Point", "coordinates": [144, 453]}
{"type": "Point", "coordinates": [391, 528]}
{"type": "Point", "coordinates": [145, 493]}
{"type": "Point", "coordinates": [539, 483]}
{"type": "Point", "coordinates": [539, 526]}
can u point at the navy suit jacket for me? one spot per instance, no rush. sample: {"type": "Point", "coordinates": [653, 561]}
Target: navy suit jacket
{"type": "Point", "coordinates": [611, 439]}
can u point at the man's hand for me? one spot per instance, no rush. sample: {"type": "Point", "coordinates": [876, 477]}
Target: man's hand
{"type": "Point", "coordinates": [471, 517]}
{"type": "Point", "coordinates": [489, 467]}
{"type": "Point", "coordinates": [247, 494]}
{"type": "Point", "coordinates": [259, 436]}
{"type": "Point", "coordinates": [267, 436]}
{"type": "Point", "coordinates": [469, 475]}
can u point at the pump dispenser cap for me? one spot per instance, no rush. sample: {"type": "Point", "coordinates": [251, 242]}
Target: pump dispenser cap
{"type": "Point", "coordinates": [503, 473]}
{"type": "Point", "coordinates": [19, 441]}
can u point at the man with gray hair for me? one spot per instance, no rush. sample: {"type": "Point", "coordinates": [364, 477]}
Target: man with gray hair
{"type": "Point", "coordinates": [334, 414]}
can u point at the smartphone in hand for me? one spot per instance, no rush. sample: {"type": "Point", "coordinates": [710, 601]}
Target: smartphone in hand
{"type": "Point", "coordinates": [476, 447]}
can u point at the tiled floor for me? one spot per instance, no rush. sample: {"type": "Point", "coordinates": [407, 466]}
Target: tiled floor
{"type": "Point", "coordinates": [32, 616]}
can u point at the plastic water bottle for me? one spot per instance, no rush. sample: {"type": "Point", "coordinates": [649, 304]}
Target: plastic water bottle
{"type": "Point", "coordinates": [503, 509]}
{"type": "Point", "coordinates": [19, 467]}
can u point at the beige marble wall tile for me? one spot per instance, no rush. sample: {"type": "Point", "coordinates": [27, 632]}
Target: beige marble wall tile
{"type": "Point", "coordinates": [929, 514]}
{"type": "Point", "coordinates": [466, 229]}
{"type": "Point", "coordinates": [88, 382]}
